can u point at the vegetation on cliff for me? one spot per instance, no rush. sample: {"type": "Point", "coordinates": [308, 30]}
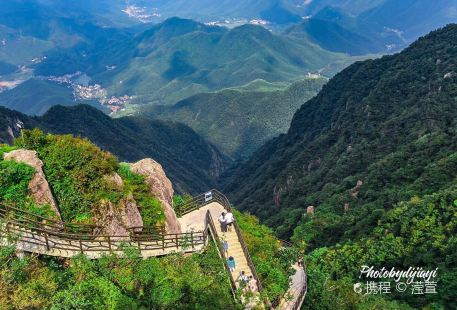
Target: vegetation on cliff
{"type": "Point", "coordinates": [78, 173]}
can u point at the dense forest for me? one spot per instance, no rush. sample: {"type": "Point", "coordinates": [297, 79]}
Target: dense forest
{"type": "Point", "coordinates": [378, 138]}
{"type": "Point", "coordinates": [241, 119]}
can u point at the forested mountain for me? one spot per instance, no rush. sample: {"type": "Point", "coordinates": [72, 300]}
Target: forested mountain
{"type": "Point", "coordinates": [239, 120]}
{"type": "Point", "coordinates": [408, 97]}
{"type": "Point", "coordinates": [179, 58]}
{"type": "Point", "coordinates": [191, 162]}
{"type": "Point", "coordinates": [375, 150]}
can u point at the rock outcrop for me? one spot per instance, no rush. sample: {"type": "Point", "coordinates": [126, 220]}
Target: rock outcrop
{"type": "Point", "coordinates": [161, 187]}
{"type": "Point", "coordinates": [310, 210]}
{"type": "Point", "coordinates": [38, 186]}
{"type": "Point", "coordinates": [116, 220]}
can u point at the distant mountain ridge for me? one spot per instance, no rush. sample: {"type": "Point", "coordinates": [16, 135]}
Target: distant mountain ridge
{"type": "Point", "coordinates": [382, 27]}
{"type": "Point", "coordinates": [192, 163]}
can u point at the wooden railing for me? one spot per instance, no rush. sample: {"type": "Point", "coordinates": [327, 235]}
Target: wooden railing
{"type": "Point", "coordinates": [36, 231]}
{"type": "Point", "coordinates": [36, 221]}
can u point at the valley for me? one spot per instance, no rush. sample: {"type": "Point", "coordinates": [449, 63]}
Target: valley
{"type": "Point", "coordinates": [330, 125]}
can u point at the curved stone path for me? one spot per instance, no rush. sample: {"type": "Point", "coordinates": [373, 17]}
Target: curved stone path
{"type": "Point", "coordinates": [294, 298]}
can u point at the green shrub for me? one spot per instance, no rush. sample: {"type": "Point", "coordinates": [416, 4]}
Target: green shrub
{"type": "Point", "coordinates": [151, 209]}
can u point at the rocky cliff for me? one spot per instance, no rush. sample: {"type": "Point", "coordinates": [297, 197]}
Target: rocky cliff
{"type": "Point", "coordinates": [111, 218]}
{"type": "Point", "coordinates": [38, 186]}
{"type": "Point", "coordinates": [161, 188]}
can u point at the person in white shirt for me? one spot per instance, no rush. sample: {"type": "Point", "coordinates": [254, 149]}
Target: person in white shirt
{"type": "Point", "coordinates": [223, 220]}
{"type": "Point", "coordinates": [243, 281]}
{"type": "Point", "coordinates": [229, 219]}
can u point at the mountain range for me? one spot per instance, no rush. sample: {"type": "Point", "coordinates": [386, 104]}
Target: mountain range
{"type": "Point", "coordinates": [179, 58]}
{"type": "Point", "coordinates": [364, 119]}
{"type": "Point", "coordinates": [363, 173]}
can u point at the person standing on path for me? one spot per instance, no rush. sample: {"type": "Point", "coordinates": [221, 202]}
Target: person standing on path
{"type": "Point", "coordinates": [225, 247]}
{"type": "Point", "coordinates": [223, 221]}
{"type": "Point", "coordinates": [231, 264]}
{"type": "Point", "coordinates": [229, 219]}
{"type": "Point", "coordinates": [243, 281]}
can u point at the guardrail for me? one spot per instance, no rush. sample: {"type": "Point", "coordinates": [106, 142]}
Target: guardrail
{"type": "Point", "coordinates": [215, 196]}
{"type": "Point", "coordinates": [36, 221]}
{"type": "Point", "coordinates": [42, 233]}
{"type": "Point", "coordinates": [210, 224]}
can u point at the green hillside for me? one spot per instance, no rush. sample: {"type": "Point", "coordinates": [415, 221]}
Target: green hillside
{"type": "Point", "coordinates": [35, 97]}
{"type": "Point", "coordinates": [239, 120]}
{"type": "Point", "coordinates": [77, 171]}
{"type": "Point", "coordinates": [191, 163]}
{"type": "Point", "coordinates": [378, 139]}
{"type": "Point", "coordinates": [180, 58]}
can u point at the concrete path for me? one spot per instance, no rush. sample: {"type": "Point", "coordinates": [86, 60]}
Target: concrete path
{"type": "Point", "coordinates": [195, 221]}
{"type": "Point", "coordinates": [293, 294]}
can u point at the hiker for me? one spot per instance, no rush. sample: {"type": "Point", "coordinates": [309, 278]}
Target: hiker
{"type": "Point", "coordinates": [252, 284]}
{"type": "Point", "coordinates": [230, 219]}
{"type": "Point", "coordinates": [225, 246]}
{"type": "Point", "coordinates": [223, 220]}
{"type": "Point", "coordinates": [243, 280]}
{"type": "Point", "coordinates": [231, 263]}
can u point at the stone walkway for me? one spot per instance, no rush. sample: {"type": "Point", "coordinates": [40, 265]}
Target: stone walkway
{"type": "Point", "coordinates": [195, 221]}
{"type": "Point", "coordinates": [298, 283]}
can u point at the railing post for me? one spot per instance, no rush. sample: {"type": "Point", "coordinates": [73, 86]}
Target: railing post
{"type": "Point", "coordinates": [139, 246]}
{"type": "Point", "coordinates": [192, 238]}
{"type": "Point", "coordinates": [177, 243]}
{"type": "Point", "coordinates": [109, 244]}
{"type": "Point", "coordinates": [47, 241]}
{"type": "Point", "coordinates": [163, 242]}
{"type": "Point", "coordinates": [81, 246]}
